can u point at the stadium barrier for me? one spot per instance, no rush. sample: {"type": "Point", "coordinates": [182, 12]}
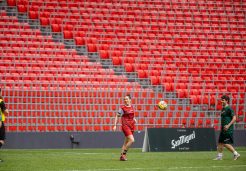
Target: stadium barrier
{"type": "Point", "coordinates": [179, 139]}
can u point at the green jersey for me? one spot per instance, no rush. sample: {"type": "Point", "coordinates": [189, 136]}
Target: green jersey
{"type": "Point", "coordinates": [227, 114]}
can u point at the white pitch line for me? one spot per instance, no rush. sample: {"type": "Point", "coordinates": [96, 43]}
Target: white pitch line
{"type": "Point", "coordinates": [177, 168]}
{"type": "Point", "coordinates": [157, 168]}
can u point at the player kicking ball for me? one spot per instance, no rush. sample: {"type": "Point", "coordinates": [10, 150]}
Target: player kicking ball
{"type": "Point", "coordinates": [126, 112]}
{"type": "Point", "coordinates": [226, 133]}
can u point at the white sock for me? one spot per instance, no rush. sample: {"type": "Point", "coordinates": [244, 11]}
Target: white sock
{"type": "Point", "coordinates": [235, 153]}
{"type": "Point", "coordinates": [220, 154]}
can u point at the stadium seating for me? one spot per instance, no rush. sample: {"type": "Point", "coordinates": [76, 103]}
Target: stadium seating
{"type": "Point", "coordinates": [55, 77]}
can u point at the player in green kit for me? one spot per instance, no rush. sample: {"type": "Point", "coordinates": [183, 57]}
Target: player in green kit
{"type": "Point", "coordinates": [226, 133]}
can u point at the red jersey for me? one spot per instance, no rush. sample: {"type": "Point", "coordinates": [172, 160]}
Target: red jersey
{"type": "Point", "coordinates": [127, 120]}
{"type": "Point", "coordinates": [127, 115]}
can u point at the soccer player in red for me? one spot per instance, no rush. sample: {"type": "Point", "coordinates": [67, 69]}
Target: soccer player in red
{"type": "Point", "coordinates": [126, 112]}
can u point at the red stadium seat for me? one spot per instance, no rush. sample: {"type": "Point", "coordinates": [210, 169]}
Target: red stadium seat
{"type": "Point", "coordinates": [33, 15]}
{"type": "Point", "coordinates": [22, 8]}
{"type": "Point", "coordinates": [200, 123]}
{"type": "Point", "coordinates": [43, 20]}
{"type": "Point", "coordinates": [79, 41]}
{"type": "Point", "coordinates": [154, 80]}
{"type": "Point", "coordinates": [91, 48]}
{"type": "Point", "coordinates": [11, 3]}
{"type": "Point", "coordinates": [192, 123]}
{"type": "Point", "coordinates": [104, 54]}
{"type": "Point", "coordinates": [167, 123]}
{"type": "Point", "coordinates": [56, 28]}
{"type": "Point", "coordinates": [129, 67]}
{"type": "Point", "coordinates": [68, 34]}
{"type": "Point", "coordinates": [116, 60]}
{"type": "Point", "coordinates": [176, 123]}
{"type": "Point", "coordinates": [208, 122]}
{"type": "Point", "coordinates": [184, 122]}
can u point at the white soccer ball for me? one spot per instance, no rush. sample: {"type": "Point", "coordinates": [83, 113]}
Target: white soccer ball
{"type": "Point", "coordinates": [162, 105]}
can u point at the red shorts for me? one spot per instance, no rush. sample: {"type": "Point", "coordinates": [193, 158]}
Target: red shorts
{"type": "Point", "coordinates": [128, 130]}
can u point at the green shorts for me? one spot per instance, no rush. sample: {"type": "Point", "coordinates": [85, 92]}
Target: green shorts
{"type": "Point", "coordinates": [226, 138]}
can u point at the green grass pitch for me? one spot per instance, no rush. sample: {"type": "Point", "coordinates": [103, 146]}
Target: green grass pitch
{"type": "Point", "coordinates": [108, 160]}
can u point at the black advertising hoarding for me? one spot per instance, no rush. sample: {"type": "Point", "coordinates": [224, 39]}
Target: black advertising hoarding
{"type": "Point", "coordinates": [179, 139]}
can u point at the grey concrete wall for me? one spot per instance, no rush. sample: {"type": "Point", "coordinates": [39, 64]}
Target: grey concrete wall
{"type": "Point", "coordinates": [56, 140]}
